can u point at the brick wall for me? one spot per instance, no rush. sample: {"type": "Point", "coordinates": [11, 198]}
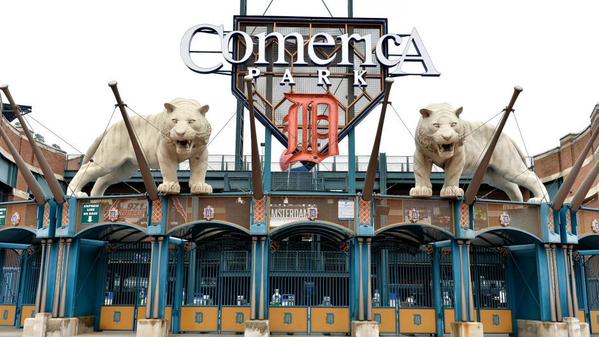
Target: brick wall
{"type": "Point", "coordinates": [558, 161]}
{"type": "Point", "coordinates": [56, 158]}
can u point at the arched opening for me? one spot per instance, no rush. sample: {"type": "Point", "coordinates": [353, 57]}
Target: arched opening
{"type": "Point", "coordinates": [309, 279]}
{"type": "Point", "coordinates": [213, 262]}
{"type": "Point", "coordinates": [407, 270]}
{"type": "Point", "coordinates": [19, 274]}
{"type": "Point", "coordinates": [586, 268]}
{"type": "Point", "coordinates": [590, 281]}
{"type": "Point", "coordinates": [501, 260]}
{"type": "Point", "coordinates": [113, 272]}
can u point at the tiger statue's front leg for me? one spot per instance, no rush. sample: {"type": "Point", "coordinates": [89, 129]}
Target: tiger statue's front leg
{"type": "Point", "coordinates": [168, 168]}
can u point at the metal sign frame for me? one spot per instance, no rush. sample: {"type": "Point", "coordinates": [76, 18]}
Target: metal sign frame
{"type": "Point", "coordinates": [350, 23]}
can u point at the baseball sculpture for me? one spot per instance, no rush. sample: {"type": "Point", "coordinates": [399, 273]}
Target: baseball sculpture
{"type": "Point", "coordinates": [179, 133]}
{"type": "Point", "coordinates": [446, 140]}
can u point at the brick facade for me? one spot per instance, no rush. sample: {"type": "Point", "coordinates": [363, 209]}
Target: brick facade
{"type": "Point", "coordinates": [56, 158]}
{"type": "Point", "coordinates": [557, 162]}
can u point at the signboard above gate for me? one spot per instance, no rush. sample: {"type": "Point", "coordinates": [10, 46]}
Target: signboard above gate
{"type": "Point", "coordinates": [345, 57]}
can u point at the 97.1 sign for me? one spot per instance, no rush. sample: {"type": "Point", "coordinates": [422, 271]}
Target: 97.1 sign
{"type": "Point", "coordinates": [90, 214]}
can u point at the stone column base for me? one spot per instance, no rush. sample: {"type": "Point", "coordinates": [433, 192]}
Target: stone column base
{"type": "Point", "coordinates": [467, 329]}
{"type": "Point", "coordinates": [573, 326]}
{"type": "Point", "coordinates": [152, 328]}
{"type": "Point", "coordinates": [585, 330]}
{"type": "Point", "coordinates": [257, 328]}
{"type": "Point", "coordinates": [43, 325]}
{"type": "Point", "coordinates": [364, 329]}
{"type": "Point", "coordinates": [527, 328]}
{"type": "Point", "coordinates": [36, 326]}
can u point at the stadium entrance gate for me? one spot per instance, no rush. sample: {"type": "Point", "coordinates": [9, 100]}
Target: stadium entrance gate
{"type": "Point", "coordinates": [19, 275]}
{"type": "Point", "coordinates": [309, 283]}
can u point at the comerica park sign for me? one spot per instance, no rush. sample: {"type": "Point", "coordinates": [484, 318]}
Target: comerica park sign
{"type": "Point", "coordinates": [357, 49]}
{"type": "Point", "coordinates": [315, 78]}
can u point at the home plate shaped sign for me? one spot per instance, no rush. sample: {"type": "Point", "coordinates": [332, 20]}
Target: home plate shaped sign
{"type": "Point", "coordinates": [345, 59]}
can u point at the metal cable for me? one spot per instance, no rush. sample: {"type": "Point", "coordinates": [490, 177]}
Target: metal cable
{"type": "Point", "coordinates": [53, 133]}
{"type": "Point", "coordinates": [327, 7]}
{"type": "Point", "coordinates": [481, 154]}
{"type": "Point", "coordinates": [90, 159]}
{"type": "Point", "coordinates": [164, 134]}
{"type": "Point", "coordinates": [267, 7]}
{"type": "Point", "coordinates": [528, 155]}
{"type": "Point", "coordinates": [402, 121]}
{"type": "Point", "coordinates": [222, 128]}
{"type": "Point", "coordinates": [74, 148]}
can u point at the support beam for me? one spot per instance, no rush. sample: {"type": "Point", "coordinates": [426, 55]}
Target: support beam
{"type": "Point", "coordinates": [374, 155]}
{"type": "Point", "coordinates": [139, 155]}
{"type": "Point", "coordinates": [477, 179]}
{"type": "Point", "coordinates": [34, 186]}
{"type": "Point", "coordinates": [47, 171]}
{"type": "Point", "coordinates": [584, 188]}
{"type": "Point", "coordinates": [564, 190]}
{"type": "Point", "coordinates": [256, 166]}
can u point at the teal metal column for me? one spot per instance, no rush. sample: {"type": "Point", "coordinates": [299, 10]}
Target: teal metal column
{"type": "Point", "coordinates": [360, 280]}
{"type": "Point", "coordinates": [264, 289]}
{"type": "Point", "coordinates": [511, 293]}
{"type": "Point", "coordinates": [351, 137]}
{"type": "Point", "coordinates": [239, 113]}
{"type": "Point", "coordinates": [351, 162]}
{"type": "Point", "coordinates": [178, 296]}
{"type": "Point", "coordinates": [437, 298]}
{"type": "Point", "coordinates": [192, 272]}
{"type": "Point", "coordinates": [157, 289]}
{"type": "Point", "coordinates": [564, 283]}
{"type": "Point", "coordinates": [49, 276]}
{"type": "Point", "coordinates": [383, 173]}
{"type": "Point", "coordinates": [23, 275]}
{"type": "Point", "coordinates": [267, 160]}
{"type": "Point", "coordinates": [546, 285]}
{"type": "Point", "coordinates": [464, 303]}
{"type": "Point", "coordinates": [470, 296]}
{"type": "Point", "coordinates": [254, 279]}
{"type": "Point", "coordinates": [2, 257]}
{"type": "Point", "coordinates": [367, 279]}
{"type": "Point", "coordinates": [354, 279]}
{"type": "Point", "coordinates": [259, 278]}
{"type": "Point", "coordinates": [582, 280]}
{"type": "Point", "coordinates": [461, 313]}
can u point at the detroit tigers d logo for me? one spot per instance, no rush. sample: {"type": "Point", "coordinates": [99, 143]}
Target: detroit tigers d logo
{"type": "Point", "coordinates": [311, 125]}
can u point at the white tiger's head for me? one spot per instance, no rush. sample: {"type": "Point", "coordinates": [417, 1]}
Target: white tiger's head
{"type": "Point", "coordinates": [186, 124]}
{"type": "Point", "coordinates": [440, 129]}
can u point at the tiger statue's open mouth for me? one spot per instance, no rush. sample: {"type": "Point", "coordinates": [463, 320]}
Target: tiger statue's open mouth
{"type": "Point", "coordinates": [445, 150]}
{"type": "Point", "coordinates": [183, 146]}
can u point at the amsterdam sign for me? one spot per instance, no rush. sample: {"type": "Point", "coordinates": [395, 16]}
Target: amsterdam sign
{"type": "Point", "coordinates": [345, 57]}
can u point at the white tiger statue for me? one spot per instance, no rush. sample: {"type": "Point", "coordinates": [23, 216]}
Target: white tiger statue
{"type": "Point", "coordinates": [183, 134]}
{"type": "Point", "coordinates": [456, 145]}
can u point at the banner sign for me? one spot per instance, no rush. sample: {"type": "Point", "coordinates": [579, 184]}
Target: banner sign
{"type": "Point", "coordinates": [281, 214]}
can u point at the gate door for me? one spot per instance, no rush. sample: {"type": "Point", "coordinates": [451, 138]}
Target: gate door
{"type": "Point", "coordinates": [404, 291]}
{"type": "Point", "coordinates": [309, 285]}
{"type": "Point", "coordinates": [488, 270]}
{"type": "Point", "coordinates": [126, 285]}
{"type": "Point", "coordinates": [591, 268]}
{"type": "Point", "coordinates": [10, 261]}
{"type": "Point", "coordinates": [216, 288]}
{"type": "Point", "coordinates": [447, 289]}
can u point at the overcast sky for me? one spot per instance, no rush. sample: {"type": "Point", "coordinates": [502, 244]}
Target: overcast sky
{"type": "Point", "coordinates": [58, 56]}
